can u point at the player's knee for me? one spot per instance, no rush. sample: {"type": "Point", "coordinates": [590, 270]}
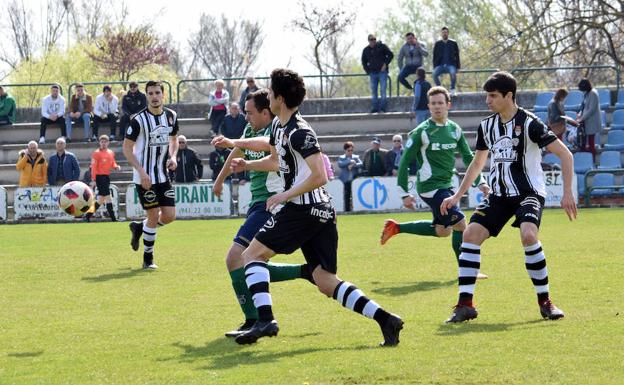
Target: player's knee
{"type": "Point", "coordinates": [473, 235]}
{"type": "Point", "coordinates": [443, 231]}
{"type": "Point", "coordinates": [529, 237]}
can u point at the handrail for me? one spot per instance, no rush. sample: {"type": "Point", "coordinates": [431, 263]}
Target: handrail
{"type": "Point", "coordinates": [589, 189]}
{"type": "Point", "coordinates": [463, 71]}
{"type": "Point", "coordinates": [34, 84]}
{"type": "Point", "coordinates": [601, 66]}
{"type": "Point", "coordinates": [71, 86]}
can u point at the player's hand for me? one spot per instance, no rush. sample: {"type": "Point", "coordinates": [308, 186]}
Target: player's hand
{"type": "Point", "coordinates": [217, 189]}
{"type": "Point", "coordinates": [172, 164]}
{"type": "Point", "coordinates": [485, 189]}
{"type": "Point", "coordinates": [238, 165]}
{"type": "Point", "coordinates": [92, 184]}
{"type": "Point", "coordinates": [222, 142]}
{"type": "Point", "coordinates": [146, 182]}
{"type": "Point", "coordinates": [276, 200]}
{"type": "Point", "coordinates": [448, 203]}
{"type": "Point", "coordinates": [409, 202]}
{"type": "Point", "coordinates": [568, 203]}
{"type": "Point", "coordinates": [118, 168]}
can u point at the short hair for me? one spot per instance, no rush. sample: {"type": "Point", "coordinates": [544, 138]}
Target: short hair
{"type": "Point", "coordinates": [372, 36]}
{"type": "Point", "coordinates": [250, 79]}
{"type": "Point", "coordinates": [289, 85]}
{"type": "Point", "coordinates": [560, 94]}
{"type": "Point", "coordinates": [439, 90]}
{"type": "Point", "coordinates": [502, 82]}
{"type": "Point", "coordinates": [234, 104]}
{"type": "Point", "coordinates": [421, 73]}
{"type": "Point", "coordinates": [219, 81]}
{"type": "Point", "coordinates": [55, 86]}
{"type": "Point", "coordinates": [409, 34]}
{"type": "Point", "coordinates": [79, 85]}
{"type": "Point", "coordinates": [133, 84]}
{"type": "Point", "coordinates": [154, 83]}
{"type": "Point", "coordinates": [104, 136]}
{"type": "Point", "coordinates": [260, 99]}
{"type": "Point", "coordinates": [585, 85]}
{"type": "Point", "coordinates": [60, 139]}
{"type": "Point", "coordinates": [32, 142]}
{"type": "Point", "coordinates": [444, 28]}
{"type": "Point", "coordinates": [181, 137]}
{"type": "Point", "coordinates": [397, 137]}
{"type": "Point", "coordinates": [107, 88]}
{"type": "Point", "coordinates": [347, 145]}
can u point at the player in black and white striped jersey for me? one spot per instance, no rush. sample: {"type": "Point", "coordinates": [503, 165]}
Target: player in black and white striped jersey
{"type": "Point", "coordinates": [307, 221]}
{"type": "Point", "coordinates": [514, 138]}
{"type": "Point", "coordinates": [151, 146]}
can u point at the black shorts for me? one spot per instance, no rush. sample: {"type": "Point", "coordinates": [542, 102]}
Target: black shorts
{"type": "Point", "coordinates": [454, 214]}
{"type": "Point", "coordinates": [102, 183]}
{"type": "Point", "coordinates": [309, 227]}
{"type": "Point", "coordinates": [161, 194]}
{"type": "Point", "coordinates": [494, 211]}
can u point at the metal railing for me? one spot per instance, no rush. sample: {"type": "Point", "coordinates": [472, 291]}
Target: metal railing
{"type": "Point", "coordinates": [33, 96]}
{"type": "Point", "coordinates": [616, 69]}
{"type": "Point", "coordinates": [460, 75]}
{"type": "Point", "coordinates": [591, 173]}
{"type": "Point", "coordinates": [71, 86]}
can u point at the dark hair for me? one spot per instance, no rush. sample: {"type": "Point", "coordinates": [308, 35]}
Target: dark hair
{"type": "Point", "coordinates": [585, 85]}
{"type": "Point", "coordinates": [107, 88]}
{"type": "Point", "coordinates": [289, 85]}
{"type": "Point", "coordinates": [502, 82]}
{"type": "Point", "coordinates": [421, 73]}
{"type": "Point", "coordinates": [560, 94]}
{"type": "Point", "coordinates": [347, 145]}
{"type": "Point", "coordinates": [439, 90]}
{"type": "Point", "coordinates": [55, 86]}
{"type": "Point", "coordinates": [409, 34]}
{"type": "Point", "coordinates": [444, 28]}
{"type": "Point", "coordinates": [154, 83]}
{"type": "Point", "coordinates": [133, 84]}
{"type": "Point", "coordinates": [260, 100]}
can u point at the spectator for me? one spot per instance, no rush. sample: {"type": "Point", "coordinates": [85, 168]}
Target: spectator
{"type": "Point", "coordinates": [7, 108]}
{"type": "Point", "coordinates": [217, 160]}
{"type": "Point", "coordinates": [32, 165]}
{"type": "Point", "coordinates": [412, 52]}
{"type": "Point", "coordinates": [350, 166]}
{"type": "Point", "coordinates": [251, 87]}
{"type": "Point", "coordinates": [590, 114]}
{"type": "Point", "coordinates": [63, 166]}
{"type": "Point", "coordinates": [102, 162]}
{"type": "Point", "coordinates": [218, 101]}
{"type": "Point", "coordinates": [420, 110]}
{"type": "Point", "coordinates": [446, 59]}
{"type": "Point", "coordinates": [131, 103]}
{"type": "Point", "coordinates": [80, 108]}
{"type": "Point", "coordinates": [189, 168]}
{"type": "Point", "coordinates": [556, 111]}
{"type": "Point", "coordinates": [52, 112]}
{"type": "Point", "coordinates": [234, 123]}
{"type": "Point", "coordinates": [393, 157]}
{"type": "Point", "coordinates": [375, 59]}
{"type": "Point", "coordinates": [106, 111]}
{"type": "Point", "coordinates": [375, 159]}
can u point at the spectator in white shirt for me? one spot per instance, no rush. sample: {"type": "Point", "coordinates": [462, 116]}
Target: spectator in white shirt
{"type": "Point", "coordinates": [106, 111]}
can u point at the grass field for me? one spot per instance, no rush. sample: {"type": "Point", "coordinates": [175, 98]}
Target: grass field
{"type": "Point", "coordinates": [76, 309]}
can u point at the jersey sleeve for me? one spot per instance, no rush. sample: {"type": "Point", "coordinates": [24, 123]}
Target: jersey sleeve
{"type": "Point", "coordinates": [540, 134]}
{"type": "Point", "coordinates": [175, 126]}
{"type": "Point", "coordinates": [481, 145]}
{"type": "Point", "coordinates": [412, 146]}
{"type": "Point", "coordinates": [133, 130]}
{"type": "Point", "coordinates": [304, 142]}
{"type": "Point", "coordinates": [272, 136]}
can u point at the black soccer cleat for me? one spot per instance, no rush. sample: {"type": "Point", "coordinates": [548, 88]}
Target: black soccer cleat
{"type": "Point", "coordinates": [249, 323]}
{"type": "Point", "coordinates": [550, 311]}
{"type": "Point", "coordinates": [136, 228]}
{"type": "Point", "coordinates": [259, 330]}
{"type": "Point", "coordinates": [391, 330]}
{"type": "Point", "coordinates": [462, 313]}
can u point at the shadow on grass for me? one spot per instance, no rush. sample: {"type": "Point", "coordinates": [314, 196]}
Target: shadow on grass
{"type": "Point", "coordinates": [125, 273]}
{"type": "Point", "coordinates": [476, 327]}
{"type": "Point", "coordinates": [413, 287]}
{"type": "Point", "coordinates": [226, 354]}
{"type": "Point", "coordinates": [25, 354]}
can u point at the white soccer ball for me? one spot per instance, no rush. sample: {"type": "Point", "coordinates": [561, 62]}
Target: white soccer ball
{"type": "Point", "coordinates": [75, 198]}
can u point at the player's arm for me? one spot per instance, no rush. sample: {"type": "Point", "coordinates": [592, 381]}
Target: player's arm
{"type": "Point", "coordinates": [268, 163]}
{"type": "Point", "coordinates": [217, 188]}
{"type": "Point", "coordinates": [172, 162]}
{"type": "Point", "coordinates": [477, 164]}
{"type": "Point", "coordinates": [114, 164]}
{"type": "Point", "coordinates": [127, 149]}
{"type": "Point", "coordinates": [467, 156]}
{"type": "Point", "coordinates": [568, 201]}
{"type": "Point", "coordinates": [412, 146]}
{"type": "Point", "coordinates": [260, 143]}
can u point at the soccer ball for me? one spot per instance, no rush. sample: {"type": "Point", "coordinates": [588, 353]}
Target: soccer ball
{"type": "Point", "coordinates": [75, 198]}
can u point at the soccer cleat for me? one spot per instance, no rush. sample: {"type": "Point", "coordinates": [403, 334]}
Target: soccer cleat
{"type": "Point", "coordinates": [482, 276]}
{"type": "Point", "coordinates": [390, 229]}
{"type": "Point", "coordinates": [462, 313]}
{"type": "Point", "coordinates": [550, 311]}
{"type": "Point", "coordinates": [259, 330]}
{"type": "Point", "coordinates": [136, 228]}
{"type": "Point", "coordinates": [249, 323]}
{"type": "Point", "coordinates": [149, 266]}
{"type": "Point", "coordinates": [391, 330]}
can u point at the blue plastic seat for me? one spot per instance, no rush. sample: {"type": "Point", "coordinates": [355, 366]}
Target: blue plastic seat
{"type": "Point", "coordinates": [580, 184]}
{"type": "Point", "coordinates": [573, 101]}
{"type": "Point", "coordinates": [603, 179]}
{"type": "Point", "coordinates": [605, 98]}
{"type": "Point", "coordinates": [551, 158]}
{"type": "Point", "coordinates": [541, 101]}
{"type": "Point", "coordinates": [610, 159]}
{"type": "Point", "coordinates": [542, 115]}
{"type": "Point", "coordinates": [603, 120]}
{"type": "Point", "coordinates": [615, 140]}
{"type": "Point", "coordinates": [617, 120]}
{"type": "Point", "coordinates": [620, 100]}
{"type": "Point", "coordinates": [583, 162]}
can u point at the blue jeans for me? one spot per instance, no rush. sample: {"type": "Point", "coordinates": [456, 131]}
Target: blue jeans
{"type": "Point", "coordinates": [378, 79]}
{"type": "Point", "coordinates": [405, 72]}
{"type": "Point", "coordinates": [445, 69]}
{"type": "Point", "coordinates": [86, 122]}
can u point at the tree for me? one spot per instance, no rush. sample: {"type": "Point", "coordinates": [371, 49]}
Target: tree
{"type": "Point", "coordinates": [125, 52]}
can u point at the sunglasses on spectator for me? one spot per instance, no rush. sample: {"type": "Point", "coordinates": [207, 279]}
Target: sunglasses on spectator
{"type": "Point", "coordinates": [373, 39]}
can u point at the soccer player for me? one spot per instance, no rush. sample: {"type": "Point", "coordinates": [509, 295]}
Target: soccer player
{"type": "Point", "coordinates": [102, 162]}
{"type": "Point", "coordinates": [514, 137]}
{"type": "Point", "coordinates": [263, 185]}
{"type": "Point", "coordinates": [307, 220]}
{"type": "Point", "coordinates": [433, 145]}
{"type": "Point", "coordinates": [151, 145]}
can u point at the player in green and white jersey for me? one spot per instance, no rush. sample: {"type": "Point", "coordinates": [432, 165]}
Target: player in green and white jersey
{"type": "Point", "coordinates": [433, 145]}
{"type": "Point", "coordinates": [263, 185]}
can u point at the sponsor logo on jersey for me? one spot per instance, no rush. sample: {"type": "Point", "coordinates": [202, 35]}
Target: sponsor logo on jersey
{"type": "Point", "coordinates": [159, 136]}
{"type": "Point", "coordinates": [324, 214]}
{"type": "Point", "coordinates": [270, 223]}
{"type": "Point", "coordinates": [443, 146]}
{"type": "Point", "coordinates": [170, 194]}
{"type": "Point", "coordinates": [517, 130]}
{"type": "Point", "coordinates": [149, 196]}
{"type": "Point", "coordinates": [309, 142]}
{"type": "Point", "coordinates": [409, 143]}
{"type": "Point", "coordinates": [503, 150]}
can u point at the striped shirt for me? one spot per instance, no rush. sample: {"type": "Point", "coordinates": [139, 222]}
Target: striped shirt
{"type": "Point", "coordinates": [151, 135]}
{"type": "Point", "coordinates": [294, 142]}
{"type": "Point", "coordinates": [515, 164]}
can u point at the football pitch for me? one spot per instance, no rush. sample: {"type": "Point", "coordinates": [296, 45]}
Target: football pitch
{"type": "Point", "coordinates": [77, 309]}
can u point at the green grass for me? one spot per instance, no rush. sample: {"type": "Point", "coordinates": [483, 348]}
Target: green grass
{"type": "Point", "coordinates": [75, 309]}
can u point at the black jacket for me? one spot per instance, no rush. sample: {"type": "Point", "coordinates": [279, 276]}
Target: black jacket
{"type": "Point", "coordinates": [189, 168]}
{"type": "Point", "coordinates": [217, 161]}
{"type": "Point", "coordinates": [373, 58]}
{"type": "Point", "coordinates": [133, 103]}
{"type": "Point", "coordinates": [438, 53]}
